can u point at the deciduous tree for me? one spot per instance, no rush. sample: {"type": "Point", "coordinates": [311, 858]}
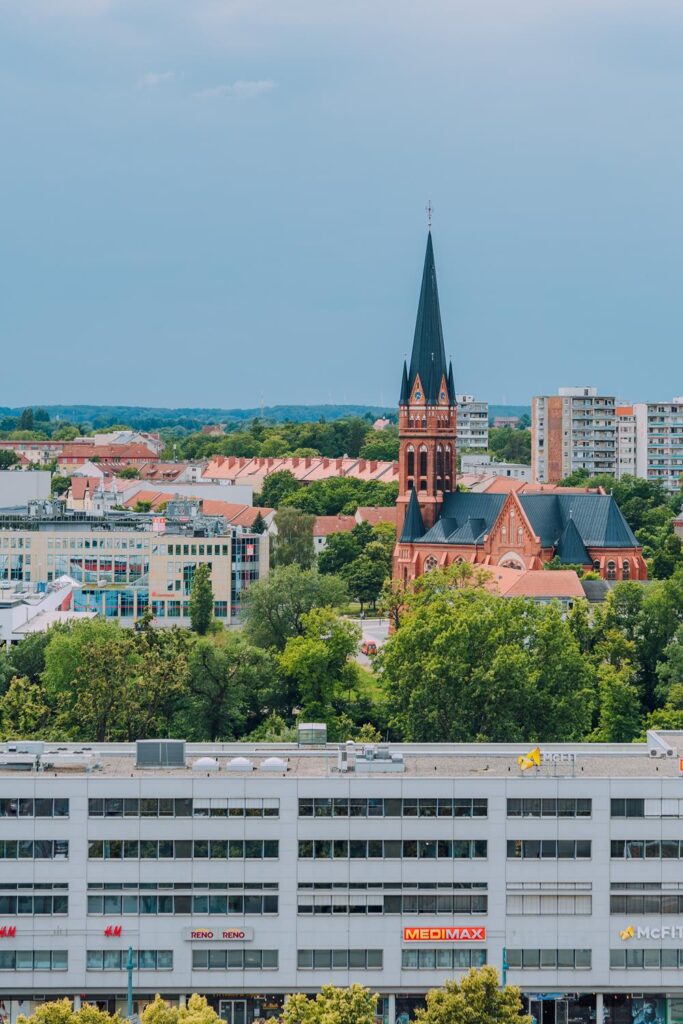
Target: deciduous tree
{"type": "Point", "coordinates": [201, 600]}
{"type": "Point", "coordinates": [477, 999]}
{"type": "Point", "coordinates": [274, 607]}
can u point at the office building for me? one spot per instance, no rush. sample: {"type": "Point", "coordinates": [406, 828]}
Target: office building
{"type": "Point", "coordinates": [250, 872]}
{"type": "Point", "coordinates": [575, 429]}
{"type": "Point", "coordinates": [124, 563]}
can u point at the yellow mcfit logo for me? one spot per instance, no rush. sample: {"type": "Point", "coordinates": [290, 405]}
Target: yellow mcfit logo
{"type": "Point", "coordinates": [628, 933]}
{"type": "Point", "coordinates": [529, 760]}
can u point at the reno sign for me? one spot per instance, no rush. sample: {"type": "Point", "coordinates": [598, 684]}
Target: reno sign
{"type": "Point", "coordinates": [468, 933]}
{"type": "Point", "coordinates": [218, 934]}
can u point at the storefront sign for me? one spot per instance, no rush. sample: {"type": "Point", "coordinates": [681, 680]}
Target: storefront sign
{"type": "Point", "coordinates": [113, 931]}
{"type": "Point", "coordinates": [8, 931]}
{"type": "Point", "coordinates": [468, 933]}
{"type": "Point", "coordinates": [666, 931]}
{"type": "Point", "coordinates": [218, 934]}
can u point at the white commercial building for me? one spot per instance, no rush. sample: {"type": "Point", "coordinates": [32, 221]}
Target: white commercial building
{"type": "Point", "coordinates": [247, 872]}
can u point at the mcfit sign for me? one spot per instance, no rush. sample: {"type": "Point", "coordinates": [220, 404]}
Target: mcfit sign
{"type": "Point", "coordinates": [666, 931]}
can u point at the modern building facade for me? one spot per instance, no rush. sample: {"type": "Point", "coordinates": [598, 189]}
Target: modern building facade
{"type": "Point", "coordinates": [124, 563]}
{"type": "Point", "coordinates": [575, 429]}
{"type": "Point", "coordinates": [662, 458]}
{"type": "Point", "coordinates": [250, 872]}
{"type": "Point", "coordinates": [439, 525]}
{"type": "Point", "coordinates": [473, 424]}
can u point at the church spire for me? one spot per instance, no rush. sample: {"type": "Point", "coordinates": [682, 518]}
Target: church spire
{"type": "Point", "coordinates": [428, 358]}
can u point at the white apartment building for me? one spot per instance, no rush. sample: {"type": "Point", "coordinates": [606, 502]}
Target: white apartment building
{"type": "Point", "coordinates": [472, 423]}
{"type": "Point", "coordinates": [575, 429]}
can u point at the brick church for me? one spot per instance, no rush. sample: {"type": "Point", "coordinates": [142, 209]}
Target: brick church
{"type": "Point", "coordinates": [523, 528]}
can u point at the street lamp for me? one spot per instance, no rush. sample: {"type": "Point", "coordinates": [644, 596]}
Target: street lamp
{"type": "Point", "coordinates": [129, 968]}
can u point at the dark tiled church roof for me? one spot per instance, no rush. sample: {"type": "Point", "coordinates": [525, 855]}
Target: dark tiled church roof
{"type": "Point", "coordinates": [571, 523]}
{"type": "Point", "coordinates": [428, 358]}
{"type": "Point", "coordinates": [570, 548]}
{"type": "Point", "coordinates": [413, 525]}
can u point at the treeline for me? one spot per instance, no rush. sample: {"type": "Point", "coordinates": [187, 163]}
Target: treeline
{"type": "Point", "coordinates": [462, 665]}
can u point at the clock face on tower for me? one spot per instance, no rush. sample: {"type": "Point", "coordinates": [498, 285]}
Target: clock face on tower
{"type": "Point", "coordinates": [443, 396]}
{"type": "Point", "coordinates": [418, 396]}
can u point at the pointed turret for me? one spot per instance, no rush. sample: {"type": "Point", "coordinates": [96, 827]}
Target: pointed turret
{"type": "Point", "coordinates": [413, 525]}
{"type": "Point", "coordinates": [570, 548]}
{"type": "Point", "coordinates": [451, 384]}
{"type": "Point", "coordinates": [405, 389]}
{"type": "Point", "coordinates": [428, 358]}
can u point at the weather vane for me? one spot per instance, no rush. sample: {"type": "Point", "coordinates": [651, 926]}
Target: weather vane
{"type": "Point", "coordinates": [429, 209]}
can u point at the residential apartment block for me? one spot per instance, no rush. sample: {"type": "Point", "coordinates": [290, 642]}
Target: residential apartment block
{"type": "Point", "coordinates": [662, 457]}
{"type": "Point", "coordinates": [472, 423]}
{"type": "Point", "coordinates": [124, 562]}
{"type": "Point", "coordinates": [247, 872]}
{"type": "Point", "coordinates": [575, 429]}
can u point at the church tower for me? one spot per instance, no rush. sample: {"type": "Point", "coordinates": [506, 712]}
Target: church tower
{"type": "Point", "coordinates": [426, 414]}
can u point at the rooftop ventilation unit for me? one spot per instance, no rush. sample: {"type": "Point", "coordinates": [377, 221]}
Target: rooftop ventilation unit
{"type": "Point", "coordinates": [160, 754]}
{"type": "Point", "coordinates": [379, 759]}
{"type": "Point", "coordinates": [657, 746]}
{"type": "Point", "coordinates": [64, 759]}
{"type": "Point", "coordinates": [273, 764]}
{"type": "Point", "coordinates": [311, 734]}
{"type": "Point", "coordinates": [239, 764]}
{"type": "Point", "coordinates": [25, 747]}
{"type": "Point", "coordinates": [18, 762]}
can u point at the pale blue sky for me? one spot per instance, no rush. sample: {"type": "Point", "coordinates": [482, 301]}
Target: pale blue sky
{"type": "Point", "coordinates": [204, 201]}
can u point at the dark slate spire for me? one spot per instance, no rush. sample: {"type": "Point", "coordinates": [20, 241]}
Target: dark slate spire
{"type": "Point", "coordinates": [405, 389]}
{"type": "Point", "coordinates": [451, 384]}
{"type": "Point", "coordinates": [428, 358]}
{"type": "Point", "coordinates": [413, 525]}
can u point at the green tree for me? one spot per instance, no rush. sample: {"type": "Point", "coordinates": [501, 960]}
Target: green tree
{"type": "Point", "coordinates": [60, 484]}
{"type": "Point", "coordinates": [468, 665]}
{"type": "Point", "coordinates": [365, 578]}
{"type": "Point", "coordinates": [26, 420]}
{"type": "Point", "coordinates": [670, 716]}
{"type": "Point", "coordinates": [507, 445]}
{"type": "Point", "coordinates": [67, 432]}
{"type": "Point", "coordinates": [87, 669]}
{"type": "Point", "coordinates": [61, 1011]}
{"type": "Point", "coordinates": [274, 607]}
{"type": "Point", "coordinates": [341, 494]}
{"type": "Point", "coordinates": [259, 524]}
{"type": "Point", "coordinates": [293, 542]}
{"type": "Point", "coordinates": [276, 487]}
{"type": "Point", "coordinates": [381, 445]}
{"type": "Point", "coordinates": [41, 415]}
{"type": "Point", "coordinates": [201, 600]}
{"type": "Point", "coordinates": [24, 713]}
{"type": "Point", "coordinates": [477, 999]}
{"type": "Point", "coordinates": [318, 663]}
{"type": "Point", "coordinates": [28, 656]}
{"type": "Point", "coordinates": [352, 1005]}
{"type": "Point", "coordinates": [228, 681]}
{"type": "Point", "coordinates": [620, 714]}
{"type": "Point", "coordinates": [341, 549]}
{"type": "Point", "coordinates": [128, 473]}
{"type": "Point", "coordinates": [8, 458]}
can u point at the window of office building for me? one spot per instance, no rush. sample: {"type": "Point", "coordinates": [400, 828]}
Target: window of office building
{"type": "Point", "coordinates": [117, 959]}
{"type": "Point", "coordinates": [339, 959]}
{"type": "Point", "coordinates": [386, 849]}
{"type": "Point", "coordinates": [393, 807]}
{"type": "Point", "coordinates": [183, 849]}
{"type": "Point", "coordinates": [351, 902]}
{"type": "Point", "coordinates": [654, 959]}
{"type": "Point", "coordinates": [646, 849]}
{"type": "Point", "coordinates": [234, 959]}
{"type": "Point", "coordinates": [556, 959]}
{"type": "Point", "coordinates": [27, 807]}
{"type": "Point", "coordinates": [34, 849]}
{"type": "Point", "coordinates": [549, 849]}
{"type": "Point", "coordinates": [442, 959]}
{"type": "Point", "coordinates": [34, 960]}
{"type": "Point", "coordinates": [184, 807]}
{"type": "Point", "coordinates": [167, 903]}
{"type": "Point", "coordinates": [535, 807]}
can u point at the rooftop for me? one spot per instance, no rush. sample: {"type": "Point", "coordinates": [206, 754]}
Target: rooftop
{"type": "Point", "coordinates": [649, 760]}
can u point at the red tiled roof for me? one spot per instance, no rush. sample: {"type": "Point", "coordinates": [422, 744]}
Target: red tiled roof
{"type": "Point", "coordinates": [536, 583]}
{"type": "Point", "coordinates": [325, 526]}
{"type": "Point", "coordinates": [103, 452]}
{"type": "Point", "coordinates": [375, 514]}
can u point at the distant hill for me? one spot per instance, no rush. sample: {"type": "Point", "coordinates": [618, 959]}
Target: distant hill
{"type": "Point", "coordinates": [147, 418]}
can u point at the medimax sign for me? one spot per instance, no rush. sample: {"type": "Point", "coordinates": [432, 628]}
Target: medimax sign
{"type": "Point", "coordinates": [214, 934]}
{"type": "Point", "coordinates": [467, 933]}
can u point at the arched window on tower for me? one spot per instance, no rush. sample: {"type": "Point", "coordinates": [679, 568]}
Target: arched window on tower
{"type": "Point", "coordinates": [423, 468]}
{"type": "Point", "coordinates": [447, 472]}
{"type": "Point", "coordinates": [410, 465]}
{"type": "Point", "coordinates": [424, 422]}
{"type": "Point", "coordinates": [439, 467]}
{"type": "Point", "coordinates": [611, 570]}
{"type": "Point", "coordinates": [626, 569]}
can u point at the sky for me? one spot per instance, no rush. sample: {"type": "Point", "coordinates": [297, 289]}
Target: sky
{"type": "Point", "coordinates": [222, 202]}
